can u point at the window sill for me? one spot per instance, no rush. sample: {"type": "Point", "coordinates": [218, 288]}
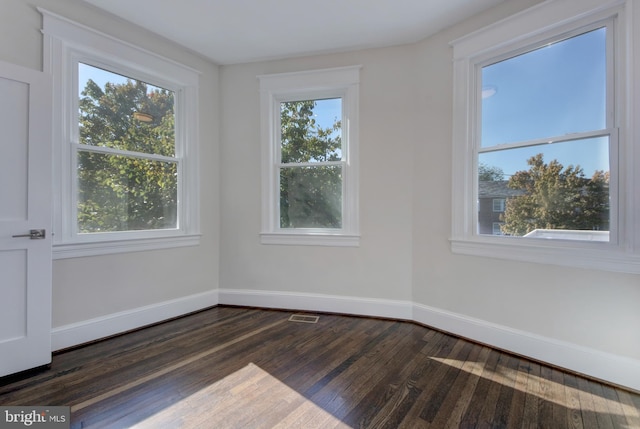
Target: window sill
{"type": "Point", "coordinates": [587, 255]}
{"type": "Point", "coordinates": [309, 239]}
{"type": "Point", "coordinates": [96, 248]}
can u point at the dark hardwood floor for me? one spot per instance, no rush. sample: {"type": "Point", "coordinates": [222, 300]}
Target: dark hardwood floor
{"type": "Point", "coordinates": [230, 367]}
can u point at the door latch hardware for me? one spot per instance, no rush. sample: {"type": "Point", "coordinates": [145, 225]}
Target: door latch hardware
{"type": "Point", "coordinates": [34, 234]}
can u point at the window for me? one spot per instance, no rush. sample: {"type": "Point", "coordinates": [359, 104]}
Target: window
{"type": "Point", "coordinates": [496, 227]}
{"type": "Point", "coordinates": [125, 145]}
{"type": "Point", "coordinates": [309, 140]}
{"type": "Point", "coordinates": [127, 169]}
{"type": "Point", "coordinates": [311, 164]}
{"type": "Point", "coordinates": [545, 131]}
{"type": "Point", "coordinates": [540, 112]}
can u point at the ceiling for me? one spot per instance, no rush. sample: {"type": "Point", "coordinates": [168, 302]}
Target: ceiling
{"type": "Point", "coordinates": [240, 31]}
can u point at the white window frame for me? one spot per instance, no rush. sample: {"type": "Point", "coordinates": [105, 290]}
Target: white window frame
{"type": "Point", "coordinates": [520, 33]}
{"type": "Point", "coordinates": [67, 43]}
{"type": "Point", "coordinates": [500, 203]}
{"type": "Point", "coordinates": [309, 85]}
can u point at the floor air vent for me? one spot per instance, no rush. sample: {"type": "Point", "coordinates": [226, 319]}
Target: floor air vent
{"type": "Point", "coordinates": [303, 318]}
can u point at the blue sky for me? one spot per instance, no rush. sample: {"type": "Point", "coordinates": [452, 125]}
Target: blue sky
{"type": "Point", "coordinates": [100, 77]}
{"type": "Point", "coordinates": [327, 111]}
{"type": "Point", "coordinates": [550, 92]}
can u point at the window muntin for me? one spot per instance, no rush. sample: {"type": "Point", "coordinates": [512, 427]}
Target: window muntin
{"type": "Point", "coordinates": [311, 166]}
{"type": "Point", "coordinates": [544, 128]}
{"type": "Point", "coordinates": [127, 171]}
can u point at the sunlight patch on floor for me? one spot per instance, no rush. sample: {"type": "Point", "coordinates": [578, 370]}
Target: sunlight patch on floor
{"type": "Point", "coordinates": [250, 397]}
{"type": "Point", "coordinates": [547, 390]}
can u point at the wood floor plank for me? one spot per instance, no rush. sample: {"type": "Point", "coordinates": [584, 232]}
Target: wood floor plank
{"type": "Point", "coordinates": [587, 404]}
{"type": "Point", "coordinates": [472, 415]}
{"type": "Point", "coordinates": [350, 388]}
{"type": "Point", "coordinates": [432, 408]}
{"type": "Point", "coordinates": [349, 360]}
{"type": "Point", "coordinates": [546, 405]}
{"type": "Point", "coordinates": [386, 387]}
{"type": "Point", "coordinates": [516, 412]}
{"type": "Point", "coordinates": [572, 393]}
{"type": "Point", "coordinates": [428, 375]}
{"type": "Point", "coordinates": [490, 414]}
{"type": "Point", "coordinates": [533, 397]}
{"type": "Point", "coordinates": [605, 420]}
{"type": "Point", "coordinates": [506, 377]}
{"type": "Point", "coordinates": [614, 407]}
{"type": "Point", "coordinates": [558, 396]}
{"type": "Point", "coordinates": [315, 371]}
{"type": "Point", "coordinates": [460, 393]}
{"type": "Point", "coordinates": [631, 411]}
{"type": "Point", "coordinates": [234, 367]}
{"type": "Point", "coordinates": [167, 369]}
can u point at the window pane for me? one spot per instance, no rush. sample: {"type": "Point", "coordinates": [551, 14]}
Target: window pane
{"type": "Point", "coordinates": [562, 187]}
{"type": "Point", "coordinates": [497, 228]}
{"type": "Point", "coordinates": [498, 204]}
{"type": "Point", "coordinates": [311, 197]}
{"type": "Point", "coordinates": [311, 130]}
{"type": "Point", "coordinates": [124, 113]}
{"type": "Point", "coordinates": [552, 91]}
{"type": "Point", "coordinates": [118, 193]}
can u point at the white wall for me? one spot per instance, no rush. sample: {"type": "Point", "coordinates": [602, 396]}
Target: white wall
{"type": "Point", "coordinates": [89, 289]}
{"type": "Point", "coordinates": [583, 320]}
{"type": "Point", "coordinates": [404, 266]}
{"type": "Point", "coordinates": [595, 309]}
{"type": "Point", "coordinates": [394, 91]}
{"type": "Point", "coordinates": [381, 267]}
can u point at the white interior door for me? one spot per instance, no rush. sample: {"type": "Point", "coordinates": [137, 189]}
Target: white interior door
{"type": "Point", "coordinates": [25, 206]}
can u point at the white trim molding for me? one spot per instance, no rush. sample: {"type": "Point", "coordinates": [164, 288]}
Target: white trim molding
{"type": "Point", "coordinates": [374, 307]}
{"type": "Point", "coordinates": [609, 367]}
{"type": "Point", "coordinates": [343, 83]}
{"type": "Point", "coordinates": [298, 239]}
{"type": "Point", "coordinates": [74, 250]}
{"type": "Point", "coordinates": [547, 21]}
{"type": "Point", "coordinates": [83, 332]}
{"type": "Point", "coordinates": [620, 370]}
{"type": "Point", "coordinates": [66, 45]}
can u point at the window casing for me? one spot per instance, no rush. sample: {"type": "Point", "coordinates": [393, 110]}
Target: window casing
{"type": "Point", "coordinates": [310, 183]}
{"type": "Point", "coordinates": [70, 47]}
{"type": "Point", "coordinates": [548, 22]}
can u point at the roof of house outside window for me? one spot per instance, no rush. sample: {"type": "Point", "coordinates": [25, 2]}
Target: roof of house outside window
{"type": "Point", "coordinates": [497, 189]}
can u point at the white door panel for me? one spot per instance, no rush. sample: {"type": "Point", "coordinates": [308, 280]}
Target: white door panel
{"type": "Point", "coordinates": [14, 159]}
{"type": "Point", "coordinates": [25, 204]}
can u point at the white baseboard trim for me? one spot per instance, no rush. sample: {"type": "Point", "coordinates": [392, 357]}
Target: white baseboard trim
{"type": "Point", "coordinates": [608, 367]}
{"type": "Point", "coordinates": [90, 330]}
{"type": "Point", "coordinates": [317, 302]}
